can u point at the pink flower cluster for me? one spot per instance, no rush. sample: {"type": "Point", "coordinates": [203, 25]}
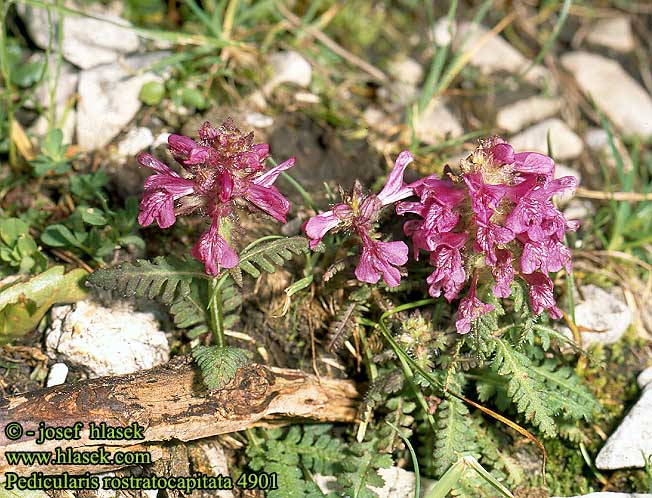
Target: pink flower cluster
{"type": "Point", "coordinates": [492, 222]}
{"type": "Point", "coordinates": [224, 170]}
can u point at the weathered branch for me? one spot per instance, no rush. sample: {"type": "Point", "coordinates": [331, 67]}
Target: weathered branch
{"type": "Point", "coordinates": [169, 402]}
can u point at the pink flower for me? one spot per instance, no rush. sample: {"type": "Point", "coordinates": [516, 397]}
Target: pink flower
{"type": "Point", "coordinates": [213, 250]}
{"type": "Point", "coordinates": [503, 272]}
{"type": "Point", "coordinates": [541, 297]}
{"type": "Point", "coordinates": [225, 170]}
{"type": "Point", "coordinates": [470, 309]}
{"type": "Point", "coordinates": [381, 258]}
{"type": "Point", "coordinates": [449, 273]}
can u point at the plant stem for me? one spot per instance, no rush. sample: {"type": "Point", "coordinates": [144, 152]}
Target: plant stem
{"type": "Point", "coordinates": [216, 313]}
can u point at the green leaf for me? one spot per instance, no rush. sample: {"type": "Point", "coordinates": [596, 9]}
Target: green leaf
{"type": "Point", "coordinates": [59, 236]}
{"type": "Point", "coordinates": [152, 93]}
{"type": "Point", "coordinates": [23, 304]}
{"type": "Point", "coordinates": [194, 98]}
{"type": "Point", "coordinates": [86, 187]}
{"type": "Point", "coordinates": [25, 75]}
{"type": "Point", "coordinates": [93, 216]}
{"type": "Point", "coordinates": [266, 255]}
{"type": "Point", "coordinates": [11, 229]}
{"type": "Point", "coordinates": [189, 311]}
{"type": "Point", "coordinates": [164, 278]}
{"type": "Point", "coordinates": [219, 364]}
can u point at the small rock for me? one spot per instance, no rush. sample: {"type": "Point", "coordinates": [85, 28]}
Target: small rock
{"type": "Point", "coordinates": [565, 143]}
{"type": "Point", "coordinates": [161, 139]}
{"type": "Point", "coordinates": [106, 341]}
{"type": "Point", "coordinates": [621, 97]}
{"type": "Point", "coordinates": [596, 138]}
{"type": "Point", "coordinates": [644, 378]}
{"type": "Point", "coordinates": [288, 67]}
{"type": "Point", "coordinates": [491, 53]}
{"type": "Point", "coordinates": [614, 33]}
{"type": "Point", "coordinates": [87, 42]}
{"type": "Point", "coordinates": [57, 374]}
{"type": "Point", "coordinates": [632, 439]}
{"type": "Point", "coordinates": [258, 120]}
{"type": "Point", "coordinates": [578, 209]}
{"type": "Point", "coordinates": [399, 483]}
{"type": "Point", "coordinates": [65, 118]}
{"type": "Point", "coordinates": [435, 123]}
{"type": "Point", "coordinates": [603, 316]}
{"type": "Point", "coordinates": [443, 32]}
{"type": "Point", "coordinates": [66, 84]}
{"type": "Point", "coordinates": [561, 171]}
{"type": "Point", "coordinates": [108, 99]}
{"type": "Point", "coordinates": [217, 464]}
{"type": "Point", "coordinates": [607, 494]}
{"type": "Point", "coordinates": [406, 69]}
{"type": "Point", "coordinates": [136, 140]}
{"type": "Point", "coordinates": [516, 116]}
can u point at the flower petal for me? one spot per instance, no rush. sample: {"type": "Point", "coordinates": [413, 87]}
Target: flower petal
{"type": "Point", "coordinates": [268, 178]}
{"type": "Point", "coordinates": [213, 250]}
{"type": "Point", "coordinates": [395, 189]}
{"type": "Point", "coordinates": [317, 226]}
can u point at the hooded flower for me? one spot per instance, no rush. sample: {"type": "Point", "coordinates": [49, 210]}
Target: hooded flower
{"type": "Point", "coordinates": [470, 309]}
{"type": "Point", "coordinates": [225, 170]}
{"type": "Point", "coordinates": [358, 214]}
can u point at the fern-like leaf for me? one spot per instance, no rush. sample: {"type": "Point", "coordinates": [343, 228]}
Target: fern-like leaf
{"type": "Point", "coordinates": [219, 364]}
{"type": "Point", "coordinates": [345, 321]}
{"type": "Point", "coordinates": [163, 278]}
{"type": "Point", "coordinates": [454, 437]}
{"type": "Point", "coordinates": [360, 470]}
{"type": "Point", "coordinates": [267, 256]}
{"type": "Point", "coordinates": [524, 387]}
{"type": "Point", "coordinates": [188, 312]}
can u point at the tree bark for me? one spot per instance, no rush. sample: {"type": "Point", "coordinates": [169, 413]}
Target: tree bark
{"type": "Point", "coordinates": [169, 402]}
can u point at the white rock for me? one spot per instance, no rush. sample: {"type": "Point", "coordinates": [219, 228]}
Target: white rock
{"type": "Point", "coordinates": [108, 98]}
{"type": "Point", "coordinates": [614, 33]}
{"type": "Point", "coordinates": [644, 379]}
{"type": "Point", "coordinates": [565, 143]}
{"type": "Point", "coordinates": [622, 98]}
{"type": "Point", "coordinates": [603, 316]}
{"type": "Point", "coordinates": [399, 483]}
{"type": "Point", "coordinates": [406, 69]}
{"type": "Point", "coordinates": [632, 440]}
{"type": "Point", "coordinates": [491, 53]}
{"type": "Point", "coordinates": [288, 67]}
{"type": "Point", "coordinates": [64, 118]}
{"type": "Point", "coordinates": [66, 84]}
{"type": "Point", "coordinates": [57, 374]}
{"type": "Point", "coordinates": [87, 42]}
{"type": "Point", "coordinates": [258, 120]}
{"type": "Point", "coordinates": [161, 139]}
{"type": "Point", "coordinates": [562, 170]}
{"type": "Point", "coordinates": [520, 114]}
{"type": "Point", "coordinates": [607, 494]}
{"type": "Point", "coordinates": [435, 123]}
{"type": "Point", "coordinates": [596, 138]}
{"type": "Point", "coordinates": [219, 466]}
{"type": "Point", "coordinates": [136, 140]}
{"type": "Point", "coordinates": [443, 32]}
{"type": "Point", "coordinates": [578, 209]}
{"type": "Point", "coordinates": [106, 341]}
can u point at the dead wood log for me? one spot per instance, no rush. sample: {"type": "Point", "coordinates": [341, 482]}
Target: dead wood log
{"type": "Point", "coordinates": [169, 402]}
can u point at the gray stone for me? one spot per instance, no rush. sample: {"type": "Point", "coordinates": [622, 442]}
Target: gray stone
{"type": "Point", "coordinates": [644, 379]}
{"type": "Point", "coordinates": [565, 143]}
{"type": "Point", "coordinates": [106, 341]}
{"type": "Point", "coordinates": [435, 123]}
{"type": "Point", "coordinates": [491, 53]}
{"type": "Point", "coordinates": [65, 118]}
{"type": "Point", "coordinates": [258, 120]}
{"type": "Point", "coordinates": [442, 32]}
{"type": "Point", "coordinates": [57, 374]}
{"type": "Point", "coordinates": [108, 98]}
{"type": "Point", "coordinates": [66, 85]}
{"type": "Point", "coordinates": [288, 67]}
{"type": "Point", "coordinates": [406, 74]}
{"type": "Point", "coordinates": [578, 209]}
{"type": "Point", "coordinates": [622, 98]}
{"type": "Point", "coordinates": [516, 116]}
{"type": "Point", "coordinates": [602, 315]}
{"type": "Point", "coordinates": [632, 439]}
{"type": "Point", "coordinates": [136, 140]}
{"type": "Point", "coordinates": [614, 33]}
{"type": "Point", "coordinates": [399, 483]}
{"type": "Point", "coordinates": [596, 138]}
{"type": "Point", "coordinates": [87, 41]}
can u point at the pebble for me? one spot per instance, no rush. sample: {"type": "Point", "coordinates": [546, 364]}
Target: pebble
{"type": "Point", "coordinates": [65, 118]}
{"type": "Point", "coordinates": [66, 84]}
{"type": "Point", "coordinates": [436, 122]}
{"type": "Point", "coordinates": [614, 33]}
{"type": "Point", "coordinates": [288, 67]}
{"type": "Point", "coordinates": [616, 93]}
{"type": "Point", "coordinates": [492, 53]}
{"type": "Point", "coordinates": [136, 140]}
{"type": "Point", "coordinates": [516, 116]}
{"type": "Point", "coordinates": [602, 315]}
{"type": "Point", "coordinates": [87, 42]}
{"type": "Point", "coordinates": [565, 143]}
{"type": "Point", "coordinates": [106, 341]}
{"type": "Point", "coordinates": [258, 120]}
{"type": "Point", "coordinates": [108, 98]}
{"type": "Point", "coordinates": [57, 375]}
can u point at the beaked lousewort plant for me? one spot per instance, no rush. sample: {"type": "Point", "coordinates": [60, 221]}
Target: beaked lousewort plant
{"type": "Point", "coordinates": [492, 236]}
